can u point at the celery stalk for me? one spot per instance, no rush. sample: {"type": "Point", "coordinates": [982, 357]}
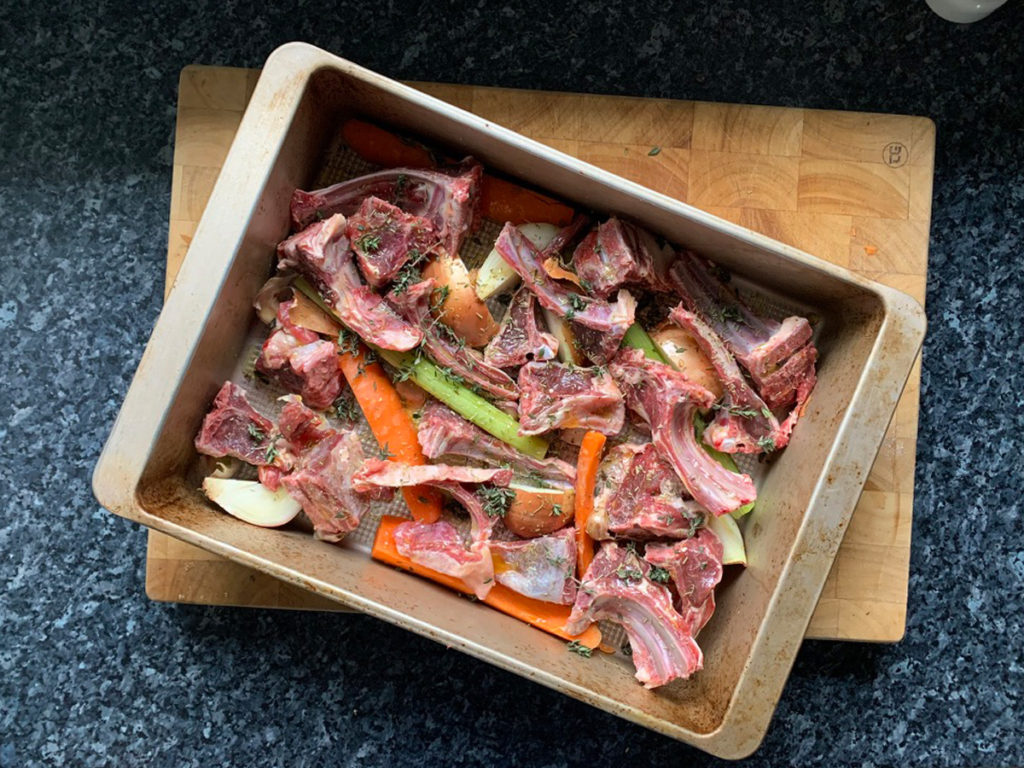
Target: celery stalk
{"type": "Point", "coordinates": [460, 399]}
{"type": "Point", "coordinates": [465, 402]}
{"type": "Point", "coordinates": [637, 338]}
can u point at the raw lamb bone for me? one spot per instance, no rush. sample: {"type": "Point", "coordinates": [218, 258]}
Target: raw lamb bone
{"type": "Point", "coordinates": [234, 428]}
{"type": "Point", "coordinates": [639, 496]}
{"type": "Point", "coordinates": [322, 463]}
{"type": "Point", "coordinates": [448, 200]}
{"type": "Point", "coordinates": [444, 435]}
{"type": "Point", "coordinates": [445, 348]}
{"type": "Point", "coordinates": [439, 545]}
{"type": "Point", "coordinates": [564, 396]}
{"type": "Point", "coordinates": [779, 357]}
{"type": "Point", "coordinates": [321, 253]}
{"type": "Point", "coordinates": [668, 401]}
{"type": "Point", "coordinates": [617, 588]}
{"type": "Point", "coordinates": [384, 239]}
{"type": "Point", "coordinates": [520, 339]}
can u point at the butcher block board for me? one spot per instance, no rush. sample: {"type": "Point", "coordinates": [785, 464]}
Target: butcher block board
{"type": "Point", "coordinates": [849, 187]}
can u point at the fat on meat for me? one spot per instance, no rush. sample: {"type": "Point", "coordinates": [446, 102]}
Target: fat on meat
{"type": "Point", "coordinates": [543, 568]}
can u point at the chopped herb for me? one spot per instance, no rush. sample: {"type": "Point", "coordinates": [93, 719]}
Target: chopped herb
{"type": "Point", "coordinates": [348, 342]}
{"type": "Point", "coordinates": [733, 314]}
{"type": "Point", "coordinates": [319, 215]}
{"type": "Point", "coordinates": [654, 151]}
{"type": "Point", "coordinates": [556, 510]}
{"type": "Point", "coordinates": [271, 453]}
{"type": "Point", "coordinates": [451, 376]}
{"type": "Point", "coordinates": [703, 565]}
{"type": "Point", "coordinates": [368, 243]}
{"type": "Point", "coordinates": [627, 650]}
{"type": "Point", "coordinates": [256, 433]}
{"type": "Point", "coordinates": [400, 183]}
{"type": "Point", "coordinates": [735, 410]}
{"type": "Point", "coordinates": [765, 412]}
{"type": "Point", "coordinates": [579, 649]}
{"type": "Point", "coordinates": [576, 304]}
{"type": "Point", "coordinates": [628, 574]}
{"type": "Point", "coordinates": [345, 408]}
{"type": "Point", "coordinates": [660, 575]}
{"type": "Point", "coordinates": [766, 443]}
{"type": "Point", "coordinates": [586, 285]}
{"type": "Point", "coordinates": [496, 501]}
{"type": "Point", "coordinates": [385, 453]}
{"type": "Point", "coordinates": [407, 277]}
{"type": "Point", "coordinates": [439, 297]}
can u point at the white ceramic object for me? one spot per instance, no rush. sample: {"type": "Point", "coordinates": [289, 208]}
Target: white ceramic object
{"type": "Point", "coordinates": [964, 11]}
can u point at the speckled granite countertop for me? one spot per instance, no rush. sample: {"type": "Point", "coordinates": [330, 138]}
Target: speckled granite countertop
{"type": "Point", "coordinates": [91, 673]}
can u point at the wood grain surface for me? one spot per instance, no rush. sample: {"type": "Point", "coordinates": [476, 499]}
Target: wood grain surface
{"type": "Point", "coordinates": [849, 187]}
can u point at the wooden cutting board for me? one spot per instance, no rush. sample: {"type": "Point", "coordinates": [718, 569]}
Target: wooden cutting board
{"type": "Point", "coordinates": [849, 187]}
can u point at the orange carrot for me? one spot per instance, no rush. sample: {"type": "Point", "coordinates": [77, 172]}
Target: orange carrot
{"type": "Point", "coordinates": [380, 147]}
{"type": "Point", "coordinates": [503, 201]}
{"type": "Point", "coordinates": [546, 616]}
{"type": "Point", "coordinates": [391, 425]}
{"type": "Point", "coordinates": [586, 476]}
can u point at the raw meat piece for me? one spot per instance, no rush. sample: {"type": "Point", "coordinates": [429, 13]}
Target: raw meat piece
{"type": "Point", "coordinates": [668, 401]}
{"type": "Point", "coordinates": [598, 347]}
{"type": "Point", "coordinates": [321, 253]}
{"type": "Point", "coordinates": [760, 344]}
{"type": "Point", "coordinates": [564, 396]}
{"type": "Point", "coordinates": [323, 462]}
{"type": "Point", "coordinates": [449, 201]}
{"type": "Point", "coordinates": [384, 239]}
{"type": "Point", "coordinates": [444, 434]}
{"type": "Point", "coordinates": [639, 496]}
{"type": "Point", "coordinates": [301, 362]}
{"type": "Point", "coordinates": [695, 566]}
{"type": "Point", "coordinates": [617, 253]}
{"type": "Point", "coordinates": [520, 339]}
{"type": "Point", "coordinates": [543, 568]}
{"type": "Point", "coordinates": [394, 474]}
{"type": "Point", "coordinates": [743, 423]}
{"type": "Point", "coordinates": [439, 545]}
{"type": "Point", "coordinates": [612, 319]}
{"type": "Point", "coordinates": [616, 588]}
{"type": "Point", "coordinates": [445, 348]}
{"type": "Point", "coordinates": [234, 428]}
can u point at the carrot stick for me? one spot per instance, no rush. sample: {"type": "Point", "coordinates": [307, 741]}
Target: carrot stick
{"type": "Point", "coordinates": [380, 147]}
{"type": "Point", "coordinates": [586, 476]}
{"type": "Point", "coordinates": [503, 201]}
{"type": "Point", "coordinates": [391, 425]}
{"type": "Point", "coordinates": [546, 616]}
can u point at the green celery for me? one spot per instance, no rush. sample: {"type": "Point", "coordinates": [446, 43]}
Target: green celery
{"type": "Point", "coordinates": [465, 402]}
{"type": "Point", "coordinates": [637, 338]}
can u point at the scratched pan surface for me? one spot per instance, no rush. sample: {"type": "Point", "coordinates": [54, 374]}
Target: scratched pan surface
{"type": "Point", "coordinates": [868, 338]}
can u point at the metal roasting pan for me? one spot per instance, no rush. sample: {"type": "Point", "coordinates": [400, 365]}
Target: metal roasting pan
{"type": "Point", "coordinates": [868, 337]}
